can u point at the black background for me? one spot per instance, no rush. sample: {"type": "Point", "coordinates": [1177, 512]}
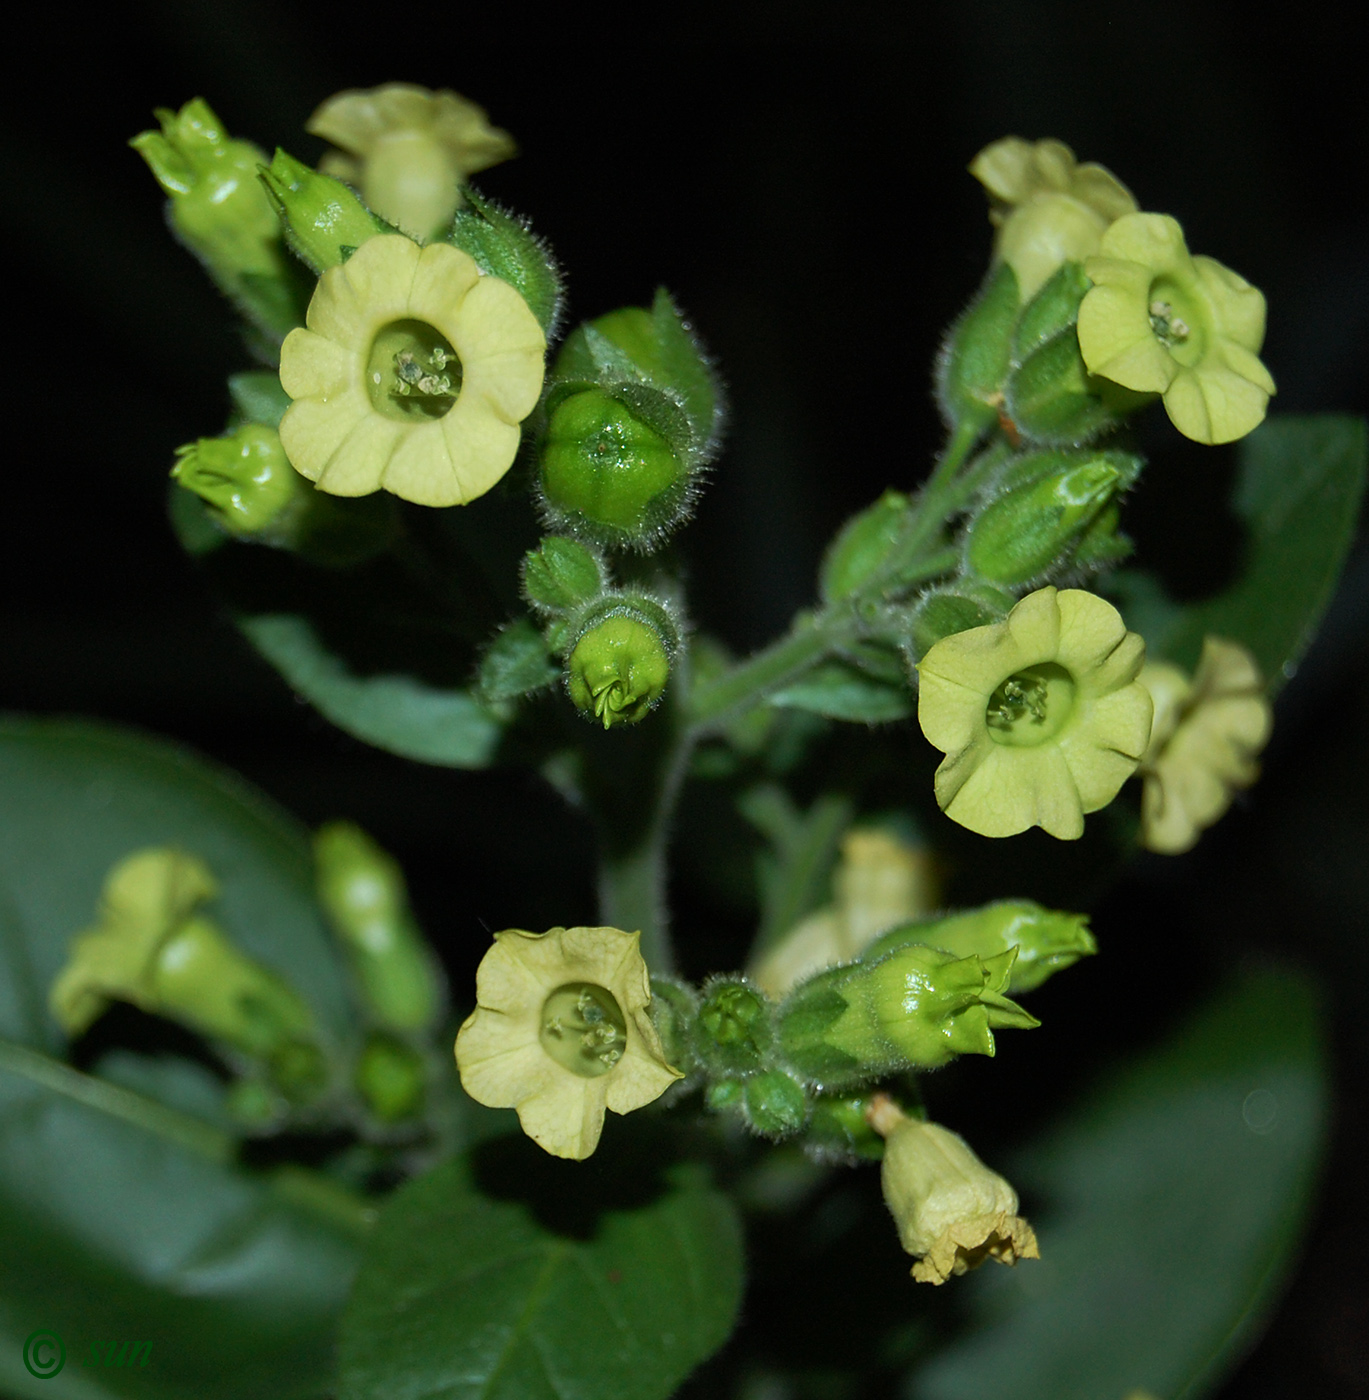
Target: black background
{"type": "Point", "coordinates": [795, 175]}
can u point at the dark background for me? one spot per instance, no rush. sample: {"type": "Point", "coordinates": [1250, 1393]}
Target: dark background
{"type": "Point", "coordinates": [795, 174]}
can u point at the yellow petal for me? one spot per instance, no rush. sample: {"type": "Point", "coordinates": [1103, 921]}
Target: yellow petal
{"type": "Point", "coordinates": [443, 277]}
{"type": "Point", "coordinates": [1013, 789]}
{"type": "Point", "coordinates": [1120, 720]}
{"type": "Point", "coordinates": [1245, 363]}
{"type": "Point", "coordinates": [1005, 169]}
{"type": "Point", "coordinates": [1091, 630]}
{"type": "Point", "coordinates": [1116, 340]}
{"type": "Point", "coordinates": [950, 714]}
{"type": "Point", "coordinates": [1212, 404]}
{"type": "Point", "coordinates": [480, 445]}
{"type": "Point", "coordinates": [1154, 240]}
{"type": "Point", "coordinates": [567, 1118]}
{"type": "Point", "coordinates": [1238, 308]}
{"type": "Point", "coordinates": [502, 348]}
{"type": "Point", "coordinates": [313, 430]}
{"type": "Point", "coordinates": [499, 1065]}
{"type": "Point", "coordinates": [312, 366]}
{"type": "Point", "coordinates": [638, 1079]}
{"type": "Point", "coordinates": [1034, 625]}
{"type": "Point", "coordinates": [358, 463]}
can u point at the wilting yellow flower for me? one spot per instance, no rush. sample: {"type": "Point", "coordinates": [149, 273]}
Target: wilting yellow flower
{"type": "Point", "coordinates": [413, 375]}
{"type": "Point", "coordinates": [1040, 716]}
{"type": "Point", "coordinates": [1204, 742]}
{"type": "Point", "coordinates": [952, 1212]}
{"type": "Point", "coordinates": [1160, 321]}
{"type": "Point", "coordinates": [879, 882]}
{"type": "Point", "coordinates": [408, 150]}
{"type": "Point", "coordinates": [1049, 209]}
{"type": "Point", "coordinates": [560, 1032]}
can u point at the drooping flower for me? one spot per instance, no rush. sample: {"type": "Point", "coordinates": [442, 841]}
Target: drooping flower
{"type": "Point", "coordinates": [1207, 734]}
{"type": "Point", "coordinates": [952, 1212]}
{"type": "Point", "coordinates": [1048, 208]}
{"type": "Point", "coordinates": [561, 1032]}
{"type": "Point", "coordinates": [413, 375]}
{"type": "Point", "coordinates": [1040, 716]}
{"type": "Point", "coordinates": [408, 150]}
{"type": "Point", "coordinates": [1160, 321]}
{"type": "Point", "coordinates": [880, 881]}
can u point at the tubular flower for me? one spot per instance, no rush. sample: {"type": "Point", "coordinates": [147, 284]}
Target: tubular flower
{"type": "Point", "coordinates": [880, 882]}
{"type": "Point", "coordinates": [560, 1032]}
{"type": "Point", "coordinates": [1204, 742]}
{"type": "Point", "coordinates": [952, 1212]}
{"type": "Point", "coordinates": [413, 375]}
{"type": "Point", "coordinates": [408, 150]}
{"type": "Point", "coordinates": [1040, 716]}
{"type": "Point", "coordinates": [1161, 321]}
{"type": "Point", "coordinates": [1048, 209]}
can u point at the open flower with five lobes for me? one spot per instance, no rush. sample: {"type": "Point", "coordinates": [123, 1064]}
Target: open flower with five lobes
{"type": "Point", "coordinates": [561, 1032]}
{"type": "Point", "coordinates": [1040, 716]}
{"type": "Point", "coordinates": [1049, 209]}
{"type": "Point", "coordinates": [412, 377]}
{"type": "Point", "coordinates": [408, 150]}
{"type": "Point", "coordinates": [952, 1212]}
{"type": "Point", "coordinates": [1207, 734]}
{"type": "Point", "coordinates": [1160, 321]}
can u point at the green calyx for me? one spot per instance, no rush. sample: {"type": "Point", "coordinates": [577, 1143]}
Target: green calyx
{"type": "Point", "coordinates": [363, 895]}
{"type": "Point", "coordinates": [734, 1032]}
{"type": "Point", "coordinates": [619, 663]}
{"type": "Point", "coordinates": [504, 246]}
{"type": "Point", "coordinates": [862, 545]}
{"type": "Point", "coordinates": [324, 220]}
{"type": "Point", "coordinates": [976, 354]}
{"type": "Point", "coordinates": [944, 611]}
{"type": "Point", "coordinates": [610, 474]}
{"type": "Point", "coordinates": [246, 480]}
{"type": "Point", "coordinates": [562, 574]}
{"type": "Point", "coordinates": [1046, 940]}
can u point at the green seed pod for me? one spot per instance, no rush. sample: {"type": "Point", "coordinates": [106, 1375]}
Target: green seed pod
{"type": "Point", "coordinates": [1046, 941]}
{"type": "Point", "coordinates": [608, 474]}
{"type": "Point", "coordinates": [389, 1077]}
{"type": "Point", "coordinates": [862, 545]}
{"type": "Point", "coordinates": [220, 212]}
{"type": "Point", "coordinates": [362, 892]}
{"type": "Point", "coordinates": [1022, 534]}
{"type": "Point", "coordinates": [325, 222]}
{"type": "Point", "coordinates": [942, 612]}
{"type": "Point", "coordinates": [561, 574]}
{"type": "Point", "coordinates": [619, 662]}
{"type": "Point", "coordinates": [915, 1007]}
{"type": "Point", "coordinates": [975, 355]}
{"type": "Point", "coordinates": [775, 1103]}
{"type": "Point", "coordinates": [733, 1031]}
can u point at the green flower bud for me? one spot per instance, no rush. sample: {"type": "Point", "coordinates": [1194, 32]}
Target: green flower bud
{"type": "Point", "coordinates": [838, 1129]}
{"type": "Point", "coordinates": [1053, 309]}
{"type": "Point", "coordinates": [561, 574]}
{"type": "Point", "coordinates": [775, 1103]}
{"type": "Point", "coordinates": [152, 949]}
{"type": "Point", "coordinates": [733, 1031]}
{"type": "Point", "coordinates": [219, 211]}
{"type": "Point", "coordinates": [1051, 398]}
{"type": "Point", "coordinates": [913, 1007]}
{"type": "Point", "coordinates": [619, 665]}
{"type": "Point", "coordinates": [362, 892]}
{"type": "Point", "coordinates": [862, 545]}
{"type": "Point", "coordinates": [1103, 544]}
{"type": "Point", "coordinates": [606, 472]}
{"type": "Point", "coordinates": [324, 221]}
{"type": "Point", "coordinates": [942, 612]}
{"type": "Point", "coordinates": [975, 355]}
{"type": "Point", "coordinates": [245, 477]}
{"type": "Point", "coordinates": [504, 246]}
{"type": "Point", "coordinates": [389, 1076]}
{"type": "Point", "coordinates": [1022, 534]}
{"type": "Point", "coordinates": [1046, 941]}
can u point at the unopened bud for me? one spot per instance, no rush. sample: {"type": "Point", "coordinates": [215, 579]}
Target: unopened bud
{"type": "Point", "coordinates": [942, 612]}
{"type": "Point", "coordinates": [619, 667]}
{"type": "Point", "coordinates": [245, 477]}
{"type": "Point", "coordinates": [735, 1030]}
{"type": "Point", "coordinates": [862, 545]}
{"type": "Point", "coordinates": [976, 353]}
{"type": "Point", "coordinates": [774, 1103]}
{"type": "Point", "coordinates": [325, 222]}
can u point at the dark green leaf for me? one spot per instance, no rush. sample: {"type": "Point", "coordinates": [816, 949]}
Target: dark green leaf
{"type": "Point", "coordinates": [1169, 1203]}
{"type": "Point", "coordinates": [840, 691]}
{"type": "Point", "coordinates": [516, 664]}
{"type": "Point", "coordinates": [1298, 491]}
{"type": "Point", "coordinates": [395, 712]}
{"type": "Point", "coordinates": [609, 1282]}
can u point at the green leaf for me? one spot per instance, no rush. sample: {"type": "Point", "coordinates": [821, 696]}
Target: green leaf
{"type": "Point", "coordinates": [838, 690]}
{"type": "Point", "coordinates": [610, 1284]}
{"type": "Point", "coordinates": [1170, 1200]}
{"type": "Point", "coordinates": [123, 1217]}
{"type": "Point", "coordinates": [395, 712]}
{"type": "Point", "coordinates": [1298, 491]}
{"type": "Point", "coordinates": [516, 663]}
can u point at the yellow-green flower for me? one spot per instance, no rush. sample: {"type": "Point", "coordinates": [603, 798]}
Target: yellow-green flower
{"type": "Point", "coordinates": [1040, 716]}
{"type": "Point", "coordinates": [1048, 209]}
{"type": "Point", "coordinates": [880, 881]}
{"type": "Point", "coordinates": [408, 150]}
{"type": "Point", "coordinates": [561, 1032]}
{"type": "Point", "coordinates": [413, 375]}
{"type": "Point", "coordinates": [952, 1212]}
{"type": "Point", "coordinates": [1207, 734]}
{"type": "Point", "coordinates": [1160, 321]}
